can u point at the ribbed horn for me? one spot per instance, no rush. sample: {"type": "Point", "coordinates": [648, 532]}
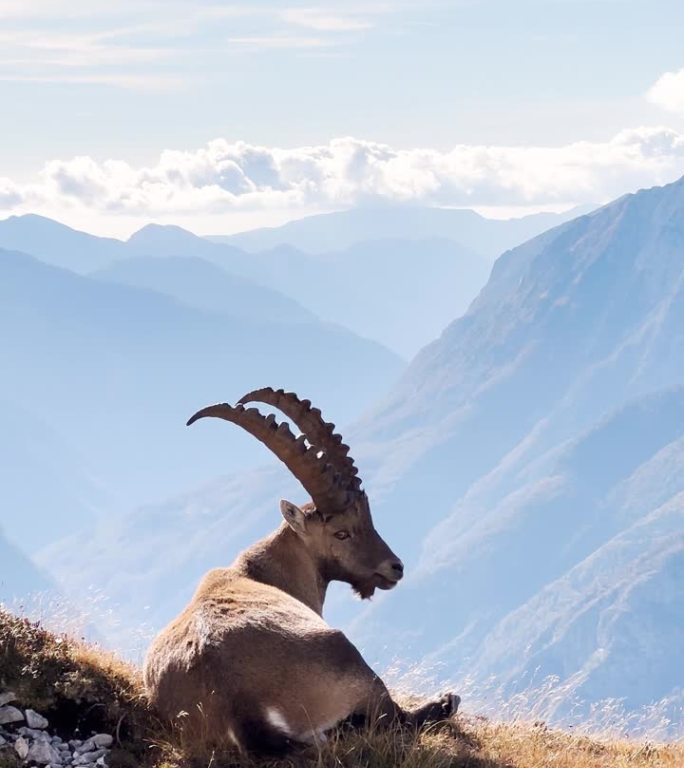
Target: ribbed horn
{"type": "Point", "coordinates": [318, 477]}
{"type": "Point", "coordinates": [310, 422]}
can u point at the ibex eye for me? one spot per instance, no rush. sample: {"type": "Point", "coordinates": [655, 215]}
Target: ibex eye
{"type": "Point", "coordinates": [342, 535]}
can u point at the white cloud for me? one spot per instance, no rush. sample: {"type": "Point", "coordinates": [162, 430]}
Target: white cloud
{"type": "Point", "coordinates": [31, 56]}
{"type": "Point", "coordinates": [280, 42]}
{"type": "Point", "coordinates": [239, 179]}
{"type": "Point", "coordinates": [324, 21]}
{"type": "Point", "coordinates": [668, 92]}
{"type": "Point", "coordinates": [131, 82]}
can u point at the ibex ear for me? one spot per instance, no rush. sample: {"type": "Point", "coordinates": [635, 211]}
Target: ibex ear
{"type": "Point", "coordinates": [293, 515]}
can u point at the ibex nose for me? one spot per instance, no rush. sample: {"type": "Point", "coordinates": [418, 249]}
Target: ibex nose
{"type": "Point", "coordinates": [398, 569]}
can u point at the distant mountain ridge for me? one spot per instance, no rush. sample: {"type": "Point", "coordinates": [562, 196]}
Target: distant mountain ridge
{"type": "Point", "coordinates": [57, 244]}
{"type": "Point", "coordinates": [341, 230]}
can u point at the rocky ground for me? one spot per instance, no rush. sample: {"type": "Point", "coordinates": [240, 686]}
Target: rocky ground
{"type": "Point", "coordinates": [26, 738]}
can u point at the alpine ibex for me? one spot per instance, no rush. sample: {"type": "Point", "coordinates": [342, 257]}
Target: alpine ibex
{"type": "Point", "coordinates": [250, 660]}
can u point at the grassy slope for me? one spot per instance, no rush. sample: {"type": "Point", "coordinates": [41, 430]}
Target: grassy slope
{"type": "Point", "coordinates": [76, 685]}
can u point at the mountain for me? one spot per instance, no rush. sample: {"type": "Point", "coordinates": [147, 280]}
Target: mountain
{"type": "Point", "coordinates": [49, 488]}
{"type": "Point", "coordinates": [115, 371]}
{"type": "Point", "coordinates": [169, 240]}
{"type": "Point", "coordinates": [527, 468]}
{"type": "Point", "coordinates": [399, 292]}
{"type": "Point", "coordinates": [524, 424]}
{"type": "Point", "coordinates": [202, 285]}
{"type": "Point", "coordinates": [57, 244]}
{"type": "Point", "coordinates": [19, 577]}
{"type": "Point", "coordinates": [343, 229]}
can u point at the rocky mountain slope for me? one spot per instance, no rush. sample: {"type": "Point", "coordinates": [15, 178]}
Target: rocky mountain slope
{"type": "Point", "coordinates": [526, 423]}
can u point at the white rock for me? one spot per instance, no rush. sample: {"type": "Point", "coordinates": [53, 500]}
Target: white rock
{"type": "Point", "coordinates": [102, 740]}
{"type": "Point", "coordinates": [6, 697]}
{"type": "Point", "coordinates": [3, 741]}
{"type": "Point", "coordinates": [43, 753]}
{"type": "Point", "coordinates": [101, 761]}
{"type": "Point", "coordinates": [35, 720]}
{"type": "Point", "coordinates": [10, 715]}
{"type": "Point", "coordinates": [21, 747]}
{"type": "Point", "coordinates": [89, 758]}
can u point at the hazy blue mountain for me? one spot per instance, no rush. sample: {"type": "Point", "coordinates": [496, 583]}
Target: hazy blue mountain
{"type": "Point", "coordinates": [528, 469]}
{"type": "Point", "coordinates": [116, 371]}
{"type": "Point", "coordinates": [203, 285]}
{"type": "Point", "coordinates": [399, 292]}
{"type": "Point", "coordinates": [19, 576]}
{"type": "Point", "coordinates": [343, 229]}
{"type": "Point", "coordinates": [57, 244]}
{"type": "Point", "coordinates": [49, 488]}
{"type": "Point", "coordinates": [168, 240]}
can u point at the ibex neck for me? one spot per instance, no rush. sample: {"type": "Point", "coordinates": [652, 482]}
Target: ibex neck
{"type": "Point", "coordinates": [283, 561]}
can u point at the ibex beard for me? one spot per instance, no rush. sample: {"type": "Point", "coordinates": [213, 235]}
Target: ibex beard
{"type": "Point", "coordinates": [250, 661]}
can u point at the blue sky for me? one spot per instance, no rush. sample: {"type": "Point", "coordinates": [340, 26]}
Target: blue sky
{"type": "Point", "coordinates": [118, 84]}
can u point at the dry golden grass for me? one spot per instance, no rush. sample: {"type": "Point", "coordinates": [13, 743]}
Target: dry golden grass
{"type": "Point", "coordinates": [77, 685]}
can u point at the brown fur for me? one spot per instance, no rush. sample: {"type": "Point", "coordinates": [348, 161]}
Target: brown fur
{"type": "Point", "coordinates": [251, 662]}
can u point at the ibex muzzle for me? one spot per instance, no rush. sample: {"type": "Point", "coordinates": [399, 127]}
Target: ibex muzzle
{"type": "Point", "coordinates": [250, 661]}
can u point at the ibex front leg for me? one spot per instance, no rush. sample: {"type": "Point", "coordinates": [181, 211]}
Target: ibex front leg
{"type": "Point", "coordinates": [376, 706]}
{"type": "Point", "coordinates": [381, 710]}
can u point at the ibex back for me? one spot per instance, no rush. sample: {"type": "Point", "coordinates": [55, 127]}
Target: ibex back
{"type": "Point", "coordinates": [250, 661]}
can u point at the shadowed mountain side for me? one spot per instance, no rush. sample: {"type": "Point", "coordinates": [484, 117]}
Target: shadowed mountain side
{"type": "Point", "coordinates": [343, 229]}
{"type": "Point", "coordinates": [119, 370]}
{"type": "Point", "coordinates": [201, 284]}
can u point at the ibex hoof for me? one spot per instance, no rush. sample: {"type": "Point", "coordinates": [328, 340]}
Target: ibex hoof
{"type": "Point", "coordinates": [449, 703]}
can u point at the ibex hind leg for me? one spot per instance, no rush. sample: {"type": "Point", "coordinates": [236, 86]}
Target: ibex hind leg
{"type": "Point", "coordinates": [259, 737]}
